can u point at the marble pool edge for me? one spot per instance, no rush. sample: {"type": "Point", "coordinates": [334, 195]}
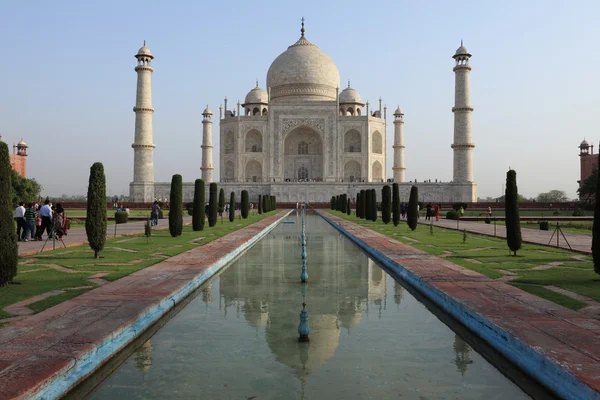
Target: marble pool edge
{"type": "Point", "coordinates": [92, 360]}
{"type": "Point", "coordinates": [542, 368]}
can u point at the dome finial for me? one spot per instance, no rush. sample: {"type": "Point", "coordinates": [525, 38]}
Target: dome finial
{"type": "Point", "coordinates": [348, 82]}
{"type": "Point", "coordinates": [302, 30]}
{"type": "Point", "coordinates": [461, 42]}
{"type": "Point", "coordinates": [144, 42]}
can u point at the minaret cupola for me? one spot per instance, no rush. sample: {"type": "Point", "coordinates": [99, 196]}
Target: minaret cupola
{"type": "Point", "coordinates": [256, 102]}
{"type": "Point", "coordinates": [350, 102]}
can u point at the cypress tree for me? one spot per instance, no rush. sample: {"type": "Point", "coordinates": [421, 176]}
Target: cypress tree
{"type": "Point", "coordinates": [221, 201]}
{"type": "Point", "coordinates": [199, 201]}
{"type": "Point", "coordinates": [511, 211]}
{"type": "Point", "coordinates": [264, 203]}
{"type": "Point", "coordinates": [260, 204]}
{"type": "Point", "coordinates": [368, 207]}
{"type": "Point", "coordinates": [349, 210]}
{"type": "Point", "coordinates": [273, 203]}
{"type": "Point", "coordinates": [245, 205]}
{"type": "Point", "coordinates": [176, 206]}
{"type": "Point", "coordinates": [358, 200]}
{"type": "Point", "coordinates": [412, 213]}
{"type": "Point", "coordinates": [395, 204]}
{"type": "Point", "coordinates": [386, 204]}
{"type": "Point", "coordinates": [212, 204]}
{"type": "Point", "coordinates": [373, 205]}
{"type": "Point", "coordinates": [232, 207]}
{"type": "Point", "coordinates": [9, 251]}
{"type": "Point", "coordinates": [596, 227]}
{"type": "Point", "coordinates": [332, 202]}
{"type": "Point", "coordinates": [363, 204]}
{"type": "Point", "coordinates": [95, 220]}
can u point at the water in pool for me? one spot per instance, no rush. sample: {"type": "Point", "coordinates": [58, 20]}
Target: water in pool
{"type": "Point", "coordinates": [370, 338]}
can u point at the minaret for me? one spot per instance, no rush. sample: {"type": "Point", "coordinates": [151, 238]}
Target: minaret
{"type": "Point", "coordinates": [207, 147]}
{"type": "Point", "coordinates": [142, 187]}
{"type": "Point", "coordinates": [463, 146]}
{"type": "Point", "coordinates": [399, 169]}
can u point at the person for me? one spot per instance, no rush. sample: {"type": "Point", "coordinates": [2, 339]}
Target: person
{"type": "Point", "coordinates": [490, 212]}
{"type": "Point", "coordinates": [418, 211]}
{"type": "Point", "coordinates": [46, 215]}
{"type": "Point", "coordinates": [461, 211]}
{"type": "Point", "coordinates": [428, 212]}
{"type": "Point", "coordinates": [60, 221]}
{"type": "Point", "coordinates": [20, 218]}
{"type": "Point", "coordinates": [39, 227]}
{"type": "Point", "coordinates": [403, 210]}
{"type": "Point", "coordinates": [436, 211]}
{"type": "Point", "coordinates": [154, 213]}
{"type": "Point", "coordinates": [30, 215]}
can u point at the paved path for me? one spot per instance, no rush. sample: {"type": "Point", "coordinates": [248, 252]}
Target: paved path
{"type": "Point", "coordinates": [77, 236]}
{"type": "Point", "coordinates": [567, 337]}
{"type": "Point", "coordinates": [580, 243]}
{"type": "Point", "coordinates": [37, 348]}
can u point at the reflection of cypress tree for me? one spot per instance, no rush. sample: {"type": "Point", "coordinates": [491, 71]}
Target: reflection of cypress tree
{"type": "Point", "coordinates": [207, 294]}
{"type": "Point", "coordinates": [143, 357]}
{"type": "Point", "coordinates": [462, 350]}
{"type": "Point", "coordinates": [398, 293]}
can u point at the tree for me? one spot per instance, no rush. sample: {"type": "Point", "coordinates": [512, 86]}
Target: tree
{"type": "Point", "coordinates": [368, 204]}
{"type": "Point", "coordinates": [264, 205]}
{"type": "Point", "coordinates": [95, 220]}
{"type": "Point", "coordinates": [553, 196]}
{"type": "Point", "coordinates": [273, 202]}
{"type": "Point", "coordinates": [176, 206]}
{"type": "Point", "coordinates": [386, 204]}
{"type": "Point", "coordinates": [198, 213]}
{"type": "Point", "coordinates": [358, 205]}
{"type": "Point", "coordinates": [596, 226]}
{"type": "Point", "coordinates": [9, 251]}
{"type": "Point", "coordinates": [349, 210]}
{"type": "Point", "coordinates": [232, 207]}
{"type": "Point", "coordinates": [588, 185]}
{"type": "Point", "coordinates": [395, 204]}
{"type": "Point", "coordinates": [260, 210]}
{"type": "Point", "coordinates": [332, 202]}
{"type": "Point", "coordinates": [373, 205]}
{"type": "Point", "coordinates": [363, 204]}
{"type": "Point", "coordinates": [221, 202]}
{"type": "Point", "coordinates": [212, 204]}
{"type": "Point", "coordinates": [245, 204]}
{"type": "Point", "coordinates": [511, 212]}
{"type": "Point", "coordinates": [412, 214]}
{"type": "Point", "coordinates": [23, 189]}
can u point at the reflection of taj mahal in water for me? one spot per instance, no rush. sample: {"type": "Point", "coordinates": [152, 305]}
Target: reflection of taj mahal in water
{"type": "Point", "coordinates": [303, 139]}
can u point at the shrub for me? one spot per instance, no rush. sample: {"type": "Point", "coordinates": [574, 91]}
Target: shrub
{"type": "Point", "coordinates": [176, 206]}
{"type": "Point", "coordinates": [386, 204]}
{"type": "Point", "coordinates": [264, 203]}
{"type": "Point", "coordinates": [260, 210]}
{"type": "Point", "coordinates": [368, 207]}
{"type": "Point", "coordinates": [487, 220]}
{"type": "Point", "coordinates": [245, 204]}
{"type": "Point", "coordinates": [121, 217]}
{"type": "Point", "coordinates": [349, 210]}
{"type": "Point", "coordinates": [454, 215]}
{"type": "Point", "coordinates": [556, 213]}
{"type": "Point", "coordinates": [332, 202]}
{"type": "Point", "coordinates": [363, 204]}
{"type": "Point", "coordinates": [273, 202]}
{"type": "Point", "coordinates": [9, 251]}
{"type": "Point", "coordinates": [189, 207]}
{"type": "Point", "coordinates": [221, 201]}
{"type": "Point", "coordinates": [412, 214]}
{"type": "Point", "coordinates": [199, 203]}
{"type": "Point", "coordinates": [511, 211]}
{"type": "Point", "coordinates": [395, 204]}
{"type": "Point", "coordinates": [212, 204]}
{"type": "Point", "coordinates": [578, 212]}
{"type": "Point", "coordinates": [373, 205]}
{"type": "Point", "coordinates": [457, 206]}
{"type": "Point", "coordinates": [232, 207]}
{"type": "Point", "coordinates": [544, 226]}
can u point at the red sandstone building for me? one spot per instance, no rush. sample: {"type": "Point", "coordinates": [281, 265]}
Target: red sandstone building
{"type": "Point", "coordinates": [18, 159]}
{"type": "Point", "coordinates": [587, 159]}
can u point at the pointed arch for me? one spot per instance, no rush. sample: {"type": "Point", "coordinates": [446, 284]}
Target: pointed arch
{"type": "Point", "coordinates": [352, 171]}
{"type": "Point", "coordinates": [253, 141]}
{"type": "Point", "coordinates": [352, 141]}
{"type": "Point", "coordinates": [228, 143]}
{"type": "Point", "coordinates": [377, 172]}
{"type": "Point", "coordinates": [377, 143]}
{"type": "Point", "coordinates": [228, 174]}
{"type": "Point", "coordinates": [253, 171]}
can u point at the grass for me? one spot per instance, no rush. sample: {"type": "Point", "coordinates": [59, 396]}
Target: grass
{"type": "Point", "coordinates": [554, 297]}
{"type": "Point", "coordinates": [490, 256]}
{"type": "Point", "coordinates": [121, 256]}
{"type": "Point", "coordinates": [575, 227]}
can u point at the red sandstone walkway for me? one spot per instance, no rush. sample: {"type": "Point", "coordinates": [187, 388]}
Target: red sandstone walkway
{"type": "Point", "coordinates": [77, 236]}
{"type": "Point", "coordinates": [567, 337]}
{"type": "Point", "coordinates": [35, 349]}
{"type": "Point", "coordinates": [580, 243]}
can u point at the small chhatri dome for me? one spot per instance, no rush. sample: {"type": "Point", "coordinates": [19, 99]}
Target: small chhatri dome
{"type": "Point", "coordinates": [350, 95]}
{"type": "Point", "coordinates": [398, 111]}
{"type": "Point", "coordinates": [22, 143]}
{"type": "Point", "coordinates": [584, 144]}
{"type": "Point", "coordinates": [461, 51]}
{"type": "Point", "coordinates": [144, 51]}
{"type": "Point", "coordinates": [257, 96]}
{"type": "Point", "coordinates": [207, 111]}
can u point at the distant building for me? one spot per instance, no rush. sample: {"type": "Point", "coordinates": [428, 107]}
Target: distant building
{"type": "Point", "coordinates": [587, 160]}
{"type": "Point", "coordinates": [18, 159]}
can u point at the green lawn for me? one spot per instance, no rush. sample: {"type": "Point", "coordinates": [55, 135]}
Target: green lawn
{"type": "Point", "coordinates": [111, 213]}
{"type": "Point", "coordinates": [574, 227]}
{"type": "Point", "coordinates": [490, 257]}
{"type": "Point", "coordinates": [121, 256]}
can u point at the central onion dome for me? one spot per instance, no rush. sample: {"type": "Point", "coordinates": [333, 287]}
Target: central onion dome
{"type": "Point", "coordinates": [303, 71]}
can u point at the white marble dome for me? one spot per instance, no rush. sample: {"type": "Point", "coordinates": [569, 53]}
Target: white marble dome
{"type": "Point", "coordinates": [350, 95]}
{"type": "Point", "coordinates": [257, 96]}
{"type": "Point", "coordinates": [144, 51]}
{"type": "Point", "coordinates": [303, 71]}
{"type": "Point", "coordinates": [462, 51]}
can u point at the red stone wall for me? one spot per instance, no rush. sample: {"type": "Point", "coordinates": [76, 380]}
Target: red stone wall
{"type": "Point", "coordinates": [588, 162]}
{"type": "Point", "coordinates": [19, 164]}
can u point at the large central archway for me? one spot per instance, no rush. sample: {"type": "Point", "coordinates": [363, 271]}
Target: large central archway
{"type": "Point", "coordinates": [303, 155]}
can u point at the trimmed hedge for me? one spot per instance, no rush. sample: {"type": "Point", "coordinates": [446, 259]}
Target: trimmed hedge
{"type": "Point", "coordinates": [176, 207]}
{"type": "Point", "coordinates": [386, 204]}
{"type": "Point", "coordinates": [511, 211]}
{"type": "Point", "coordinates": [9, 250]}
{"type": "Point", "coordinates": [245, 204]}
{"type": "Point", "coordinates": [95, 220]}
{"type": "Point", "coordinates": [198, 212]}
{"type": "Point", "coordinates": [212, 204]}
{"type": "Point", "coordinates": [395, 204]}
{"type": "Point", "coordinates": [121, 217]}
{"type": "Point", "coordinates": [412, 214]}
{"type": "Point", "coordinates": [454, 215]}
{"type": "Point", "coordinates": [232, 207]}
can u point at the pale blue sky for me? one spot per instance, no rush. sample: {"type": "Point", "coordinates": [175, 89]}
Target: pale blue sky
{"type": "Point", "coordinates": [67, 84]}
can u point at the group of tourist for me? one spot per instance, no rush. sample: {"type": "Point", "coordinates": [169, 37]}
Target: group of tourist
{"type": "Point", "coordinates": [33, 220]}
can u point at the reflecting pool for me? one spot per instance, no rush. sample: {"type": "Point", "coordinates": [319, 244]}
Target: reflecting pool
{"type": "Point", "coordinates": [370, 338]}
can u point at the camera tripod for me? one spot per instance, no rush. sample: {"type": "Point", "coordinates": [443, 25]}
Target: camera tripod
{"type": "Point", "coordinates": [557, 232]}
{"type": "Point", "coordinates": [52, 236]}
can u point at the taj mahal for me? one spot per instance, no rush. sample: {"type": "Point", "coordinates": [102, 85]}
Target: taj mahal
{"type": "Point", "coordinates": [302, 139]}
